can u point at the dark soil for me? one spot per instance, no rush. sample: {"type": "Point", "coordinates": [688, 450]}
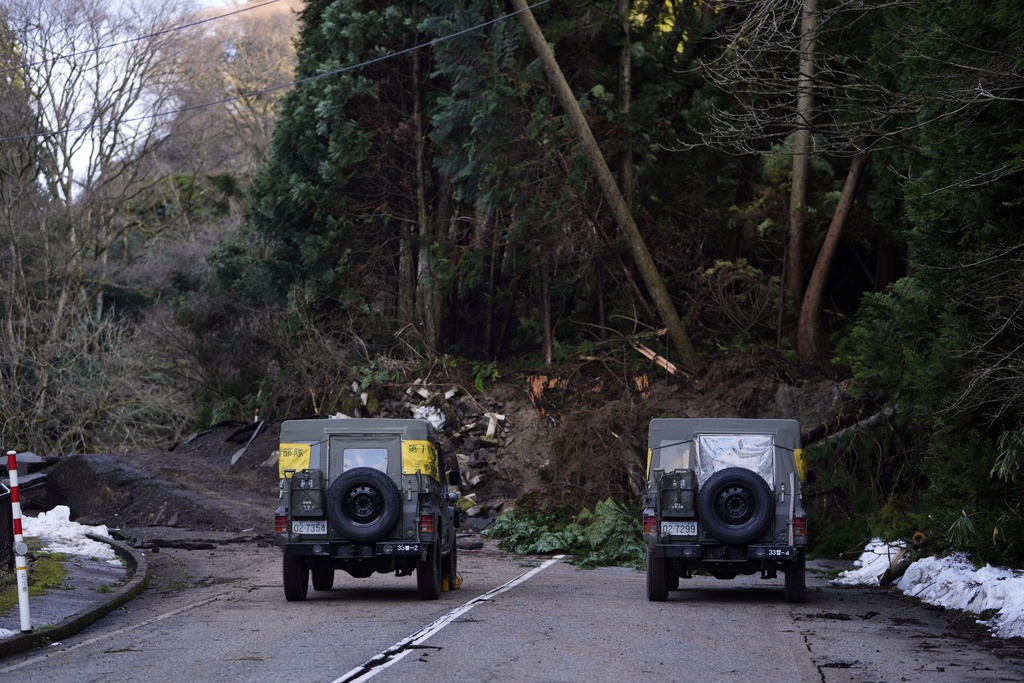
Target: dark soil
{"type": "Point", "coordinates": [193, 486]}
{"type": "Point", "coordinates": [575, 437]}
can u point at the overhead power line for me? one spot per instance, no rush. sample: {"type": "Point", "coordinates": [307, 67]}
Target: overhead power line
{"type": "Point", "coordinates": [273, 88]}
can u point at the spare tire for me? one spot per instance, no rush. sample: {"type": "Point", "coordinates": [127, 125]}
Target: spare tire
{"type": "Point", "coordinates": [363, 504]}
{"type": "Point", "coordinates": [735, 505]}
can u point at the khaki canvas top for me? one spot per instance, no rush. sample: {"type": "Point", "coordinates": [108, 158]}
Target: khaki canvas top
{"type": "Point", "coordinates": [320, 428]}
{"type": "Point", "coordinates": [786, 432]}
{"type": "Point", "coordinates": [671, 440]}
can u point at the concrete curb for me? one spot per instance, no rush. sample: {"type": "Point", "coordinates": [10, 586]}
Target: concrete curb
{"type": "Point", "coordinates": [138, 573]}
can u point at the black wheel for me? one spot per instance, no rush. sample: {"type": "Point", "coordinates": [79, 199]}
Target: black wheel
{"type": "Point", "coordinates": [363, 504]}
{"type": "Point", "coordinates": [450, 567]}
{"type": "Point", "coordinates": [796, 579]}
{"type": "Point", "coordinates": [323, 578]}
{"type": "Point", "coordinates": [428, 574]}
{"type": "Point", "coordinates": [735, 505]}
{"type": "Point", "coordinates": [296, 578]}
{"type": "Point", "coordinates": [672, 581]}
{"type": "Point", "coordinates": [657, 578]}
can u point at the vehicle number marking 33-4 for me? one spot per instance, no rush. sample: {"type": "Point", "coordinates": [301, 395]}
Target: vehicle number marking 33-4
{"type": "Point", "coordinates": [679, 528]}
{"type": "Point", "coordinates": [317, 527]}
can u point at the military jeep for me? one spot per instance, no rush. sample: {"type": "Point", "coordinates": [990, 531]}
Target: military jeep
{"type": "Point", "coordinates": [724, 497]}
{"type": "Point", "coordinates": [365, 496]}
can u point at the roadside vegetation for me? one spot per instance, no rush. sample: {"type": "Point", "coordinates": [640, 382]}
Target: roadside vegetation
{"type": "Point", "coordinates": [828, 187]}
{"type": "Point", "coordinates": [610, 535]}
{"type": "Point", "coordinates": [45, 572]}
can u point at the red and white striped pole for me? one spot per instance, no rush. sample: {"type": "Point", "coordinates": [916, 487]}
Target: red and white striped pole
{"type": "Point", "coordinates": [20, 549]}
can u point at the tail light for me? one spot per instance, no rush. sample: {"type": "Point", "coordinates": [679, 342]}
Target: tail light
{"type": "Point", "coordinates": [800, 526]}
{"type": "Point", "coordinates": [650, 524]}
{"type": "Point", "coordinates": [280, 524]}
{"type": "Point", "coordinates": [426, 524]}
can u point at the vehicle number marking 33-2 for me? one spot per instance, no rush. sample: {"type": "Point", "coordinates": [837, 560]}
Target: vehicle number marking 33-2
{"type": "Point", "coordinates": [679, 528]}
{"type": "Point", "coordinates": [317, 527]}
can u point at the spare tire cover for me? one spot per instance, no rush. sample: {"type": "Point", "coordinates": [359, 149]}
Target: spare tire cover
{"type": "Point", "coordinates": [735, 505]}
{"type": "Point", "coordinates": [363, 504]}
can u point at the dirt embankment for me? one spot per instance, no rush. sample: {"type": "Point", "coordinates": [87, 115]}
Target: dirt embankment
{"type": "Point", "coordinates": [572, 438]}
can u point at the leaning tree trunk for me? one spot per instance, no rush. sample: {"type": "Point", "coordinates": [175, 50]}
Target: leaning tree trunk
{"type": "Point", "coordinates": [688, 356]}
{"type": "Point", "coordinates": [808, 331]}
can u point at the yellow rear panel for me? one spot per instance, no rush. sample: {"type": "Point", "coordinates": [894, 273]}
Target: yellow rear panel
{"type": "Point", "coordinates": [420, 456]}
{"type": "Point", "coordinates": [293, 456]}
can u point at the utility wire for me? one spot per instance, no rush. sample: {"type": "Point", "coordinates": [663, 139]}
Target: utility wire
{"type": "Point", "coordinates": [136, 39]}
{"type": "Point", "coordinates": [273, 88]}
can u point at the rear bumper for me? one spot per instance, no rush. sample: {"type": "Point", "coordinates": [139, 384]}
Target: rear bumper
{"type": "Point", "coordinates": [723, 555]}
{"type": "Point", "coordinates": [355, 551]}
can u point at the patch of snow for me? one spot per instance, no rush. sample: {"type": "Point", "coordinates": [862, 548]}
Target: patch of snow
{"type": "Point", "coordinates": [951, 582]}
{"type": "Point", "coordinates": [872, 563]}
{"type": "Point", "coordinates": [61, 535]}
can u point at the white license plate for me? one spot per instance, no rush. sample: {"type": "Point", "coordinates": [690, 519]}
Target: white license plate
{"type": "Point", "coordinates": [679, 528]}
{"type": "Point", "coordinates": [316, 527]}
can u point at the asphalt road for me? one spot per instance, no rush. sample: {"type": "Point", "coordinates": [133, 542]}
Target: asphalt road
{"type": "Point", "coordinates": [220, 615]}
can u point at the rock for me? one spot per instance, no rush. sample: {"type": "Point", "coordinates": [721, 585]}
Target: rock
{"type": "Point", "coordinates": [29, 462]}
{"type": "Point", "coordinates": [86, 483]}
{"type": "Point", "coordinates": [195, 490]}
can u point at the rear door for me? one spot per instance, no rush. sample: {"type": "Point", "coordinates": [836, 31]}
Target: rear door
{"type": "Point", "coordinates": [376, 451]}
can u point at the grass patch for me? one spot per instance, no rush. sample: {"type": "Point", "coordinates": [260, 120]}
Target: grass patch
{"type": "Point", "coordinates": [46, 571]}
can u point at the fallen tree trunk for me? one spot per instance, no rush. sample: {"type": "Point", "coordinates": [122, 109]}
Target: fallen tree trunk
{"type": "Point", "coordinates": [846, 422]}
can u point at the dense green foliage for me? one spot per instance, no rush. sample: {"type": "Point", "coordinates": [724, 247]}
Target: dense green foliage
{"type": "Point", "coordinates": [609, 535]}
{"type": "Point", "coordinates": [441, 193]}
{"type": "Point", "coordinates": [943, 345]}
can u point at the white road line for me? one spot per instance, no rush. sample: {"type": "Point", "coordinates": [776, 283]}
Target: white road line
{"type": "Point", "coordinates": [396, 652]}
{"type": "Point", "coordinates": [49, 654]}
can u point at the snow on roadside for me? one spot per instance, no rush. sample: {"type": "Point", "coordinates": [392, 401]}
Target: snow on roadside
{"type": "Point", "coordinates": [951, 582]}
{"type": "Point", "coordinates": [60, 535]}
{"type": "Point", "coordinates": [872, 563]}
